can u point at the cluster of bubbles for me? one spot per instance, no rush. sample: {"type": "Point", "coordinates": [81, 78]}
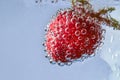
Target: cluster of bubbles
{"type": "Point", "coordinates": [69, 63]}
{"type": "Point", "coordinates": [78, 32]}
{"type": "Point", "coordinates": [48, 1]}
{"type": "Point", "coordinates": [55, 1]}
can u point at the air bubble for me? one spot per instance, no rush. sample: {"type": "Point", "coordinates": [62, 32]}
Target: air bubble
{"type": "Point", "coordinates": [101, 44]}
{"type": "Point", "coordinates": [92, 55]}
{"type": "Point", "coordinates": [80, 38]}
{"type": "Point", "coordinates": [67, 30]}
{"type": "Point", "coordinates": [67, 21]}
{"type": "Point", "coordinates": [103, 31]}
{"type": "Point", "coordinates": [77, 25]}
{"type": "Point", "coordinates": [64, 36]}
{"type": "Point", "coordinates": [93, 37]}
{"type": "Point", "coordinates": [87, 39]}
{"type": "Point", "coordinates": [61, 64]}
{"type": "Point", "coordinates": [80, 59]}
{"type": "Point", "coordinates": [83, 31]}
{"type": "Point", "coordinates": [77, 43]}
{"type": "Point", "coordinates": [69, 63]}
{"type": "Point", "coordinates": [43, 44]}
{"type": "Point", "coordinates": [58, 37]}
{"type": "Point", "coordinates": [88, 20]}
{"type": "Point", "coordinates": [83, 24]}
{"type": "Point", "coordinates": [73, 20]}
{"type": "Point", "coordinates": [52, 62]}
{"type": "Point", "coordinates": [70, 46]}
{"type": "Point", "coordinates": [47, 56]}
{"type": "Point", "coordinates": [85, 55]}
{"type": "Point", "coordinates": [68, 52]}
{"type": "Point", "coordinates": [103, 38]}
{"type": "Point", "coordinates": [81, 49]}
{"type": "Point", "coordinates": [45, 50]}
{"type": "Point", "coordinates": [68, 58]}
{"type": "Point", "coordinates": [54, 1]}
{"type": "Point", "coordinates": [80, 18]}
{"type": "Point", "coordinates": [92, 28]}
{"type": "Point", "coordinates": [77, 32]}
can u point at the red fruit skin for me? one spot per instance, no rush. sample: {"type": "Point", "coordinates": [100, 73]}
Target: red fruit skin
{"type": "Point", "coordinates": [71, 35]}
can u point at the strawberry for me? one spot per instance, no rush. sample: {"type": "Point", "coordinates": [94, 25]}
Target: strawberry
{"type": "Point", "coordinates": [73, 34]}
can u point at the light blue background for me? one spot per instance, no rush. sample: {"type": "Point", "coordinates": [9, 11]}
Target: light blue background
{"type": "Point", "coordinates": [22, 26]}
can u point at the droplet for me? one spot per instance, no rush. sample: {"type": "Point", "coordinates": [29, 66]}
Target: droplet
{"type": "Point", "coordinates": [77, 32]}
{"type": "Point", "coordinates": [83, 31]}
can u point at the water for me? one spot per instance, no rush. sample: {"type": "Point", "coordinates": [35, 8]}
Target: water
{"type": "Point", "coordinates": [111, 49]}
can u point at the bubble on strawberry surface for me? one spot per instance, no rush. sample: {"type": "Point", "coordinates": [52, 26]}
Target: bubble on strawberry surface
{"type": "Point", "coordinates": [83, 24]}
{"type": "Point", "coordinates": [92, 28]}
{"type": "Point", "coordinates": [73, 20]}
{"type": "Point", "coordinates": [52, 61]}
{"type": "Point", "coordinates": [83, 31]}
{"type": "Point", "coordinates": [70, 46]}
{"type": "Point", "coordinates": [77, 25]}
{"type": "Point", "coordinates": [67, 30]}
{"type": "Point", "coordinates": [80, 38]}
{"type": "Point", "coordinates": [61, 64]}
{"type": "Point", "coordinates": [68, 52]}
{"type": "Point", "coordinates": [77, 32]}
{"type": "Point", "coordinates": [93, 37]}
{"type": "Point", "coordinates": [64, 36]}
{"type": "Point", "coordinates": [77, 43]}
{"type": "Point", "coordinates": [69, 63]}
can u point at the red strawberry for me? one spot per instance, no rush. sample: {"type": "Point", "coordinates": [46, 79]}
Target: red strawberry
{"type": "Point", "coordinates": [72, 34]}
